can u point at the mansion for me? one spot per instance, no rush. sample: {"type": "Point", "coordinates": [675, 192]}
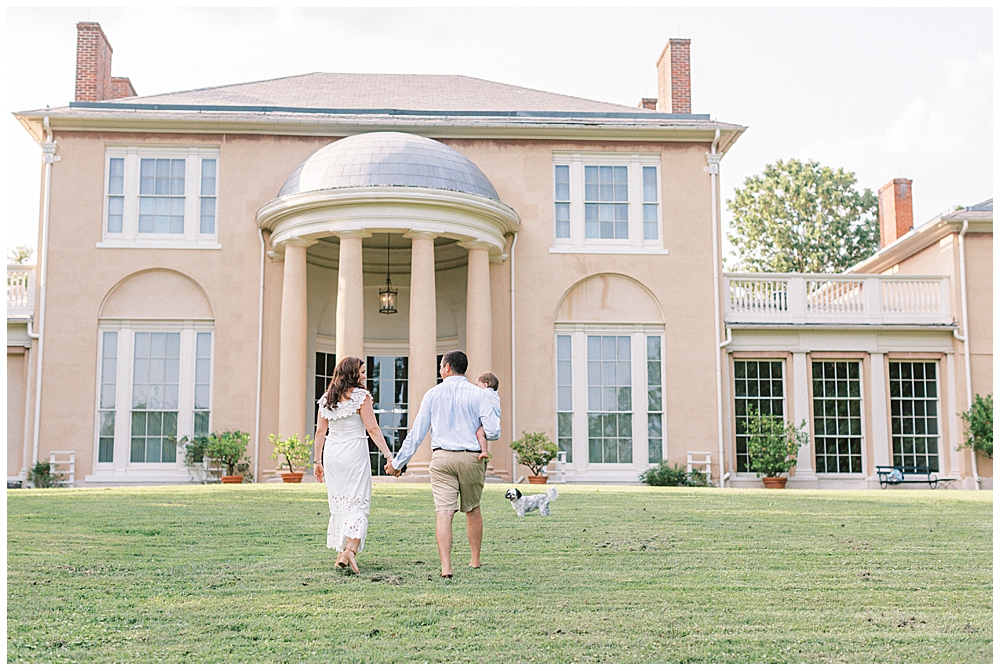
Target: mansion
{"type": "Point", "coordinates": [205, 257]}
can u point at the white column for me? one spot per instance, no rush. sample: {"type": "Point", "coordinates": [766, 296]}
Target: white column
{"type": "Point", "coordinates": [350, 297]}
{"type": "Point", "coordinates": [880, 415]}
{"type": "Point", "coordinates": [804, 467]}
{"type": "Point", "coordinates": [293, 355]}
{"type": "Point", "coordinates": [949, 456]}
{"type": "Point", "coordinates": [423, 335]}
{"type": "Point", "coordinates": [478, 313]}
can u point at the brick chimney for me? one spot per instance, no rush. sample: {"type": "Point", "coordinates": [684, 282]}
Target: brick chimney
{"type": "Point", "coordinates": [895, 210]}
{"type": "Point", "coordinates": [647, 104]}
{"type": "Point", "coordinates": [674, 77]}
{"type": "Point", "coordinates": [93, 67]}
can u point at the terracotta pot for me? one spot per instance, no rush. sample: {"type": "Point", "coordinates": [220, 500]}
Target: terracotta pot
{"type": "Point", "coordinates": [232, 479]}
{"type": "Point", "coordinates": [775, 483]}
{"type": "Point", "coordinates": [291, 477]}
{"type": "Point", "coordinates": [538, 479]}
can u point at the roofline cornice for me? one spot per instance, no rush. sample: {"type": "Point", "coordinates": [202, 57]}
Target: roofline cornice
{"type": "Point", "coordinates": [917, 240]}
{"type": "Point", "coordinates": [541, 128]}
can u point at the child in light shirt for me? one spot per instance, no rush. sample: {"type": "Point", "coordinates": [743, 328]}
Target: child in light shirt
{"type": "Point", "coordinates": [489, 382]}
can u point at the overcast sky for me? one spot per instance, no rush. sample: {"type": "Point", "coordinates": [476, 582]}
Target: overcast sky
{"type": "Point", "coordinates": [883, 93]}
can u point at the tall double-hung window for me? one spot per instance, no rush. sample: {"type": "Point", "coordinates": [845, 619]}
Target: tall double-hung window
{"type": "Point", "coordinates": [160, 197]}
{"type": "Point", "coordinates": [607, 203]}
{"type": "Point", "coordinates": [609, 398]}
{"type": "Point", "coordinates": [837, 416]}
{"type": "Point", "coordinates": [758, 385]}
{"type": "Point", "coordinates": [913, 400]}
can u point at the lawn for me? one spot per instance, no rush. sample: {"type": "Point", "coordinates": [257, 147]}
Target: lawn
{"type": "Point", "coordinates": [617, 574]}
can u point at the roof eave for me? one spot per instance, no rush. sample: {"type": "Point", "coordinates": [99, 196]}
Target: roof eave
{"type": "Point", "coordinates": [919, 239]}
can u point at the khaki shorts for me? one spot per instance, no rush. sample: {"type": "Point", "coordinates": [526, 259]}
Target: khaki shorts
{"type": "Point", "coordinates": [455, 474]}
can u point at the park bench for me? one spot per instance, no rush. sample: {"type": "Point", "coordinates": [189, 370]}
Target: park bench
{"type": "Point", "coordinates": [912, 475]}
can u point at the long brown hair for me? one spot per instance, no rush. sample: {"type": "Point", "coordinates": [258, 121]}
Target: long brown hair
{"type": "Point", "coordinates": [346, 378]}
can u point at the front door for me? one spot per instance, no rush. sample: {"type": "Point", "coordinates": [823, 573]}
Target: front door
{"type": "Point", "coordinates": [388, 384]}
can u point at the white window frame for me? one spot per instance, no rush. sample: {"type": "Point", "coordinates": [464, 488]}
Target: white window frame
{"type": "Point", "coordinates": [938, 401]}
{"type": "Point", "coordinates": [121, 468]}
{"type": "Point", "coordinates": [581, 468]}
{"type": "Point", "coordinates": [130, 237]}
{"type": "Point", "coordinates": [578, 243]}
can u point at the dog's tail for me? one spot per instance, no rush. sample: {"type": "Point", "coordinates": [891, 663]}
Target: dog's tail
{"type": "Point", "coordinates": [552, 494]}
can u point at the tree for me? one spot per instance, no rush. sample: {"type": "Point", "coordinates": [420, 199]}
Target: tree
{"type": "Point", "coordinates": [19, 255]}
{"type": "Point", "coordinates": [979, 425]}
{"type": "Point", "coordinates": [800, 217]}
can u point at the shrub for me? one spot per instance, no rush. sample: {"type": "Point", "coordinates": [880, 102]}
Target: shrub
{"type": "Point", "coordinates": [534, 450]}
{"type": "Point", "coordinates": [229, 448]}
{"type": "Point", "coordinates": [296, 452]}
{"type": "Point", "coordinates": [665, 475]}
{"type": "Point", "coordinates": [979, 426]}
{"type": "Point", "coordinates": [41, 475]}
{"type": "Point", "coordinates": [772, 443]}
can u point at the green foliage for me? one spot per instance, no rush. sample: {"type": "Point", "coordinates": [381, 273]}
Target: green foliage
{"type": "Point", "coordinates": [534, 450]}
{"type": "Point", "coordinates": [618, 574]}
{"type": "Point", "coordinates": [42, 476]}
{"type": "Point", "coordinates": [772, 443]}
{"type": "Point", "coordinates": [296, 452]}
{"type": "Point", "coordinates": [228, 447]}
{"type": "Point", "coordinates": [20, 255]}
{"type": "Point", "coordinates": [979, 426]}
{"type": "Point", "coordinates": [665, 475]}
{"type": "Point", "coordinates": [802, 218]}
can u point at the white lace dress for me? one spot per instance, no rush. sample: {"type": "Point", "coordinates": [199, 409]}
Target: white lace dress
{"type": "Point", "coordinates": [347, 470]}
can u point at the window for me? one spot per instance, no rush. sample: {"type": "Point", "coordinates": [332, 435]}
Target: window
{"type": "Point", "coordinates": [913, 400]}
{"type": "Point", "coordinates": [562, 201]}
{"type": "Point", "coordinates": [106, 404]}
{"type": "Point", "coordinates": [160, 197]}
{"type": "Point", "coordinates": [325, 363]}
{"type": "Point", "coordinates": [609, 399]}
{"type": "Point", "coordinates": [154, 385]}
{"type": "Point", "coordinates": [837, 416]}
{"type": "Point", "coordinates": [607, 203]}
{"type": "Point", "coordinates": [388, 382]}
{"type": "Point", "coordinates": [654, 394]}
{"type": "Point", "coordinates": [564, 395]}
{"type": "Point", "coordinates": [759, 384]}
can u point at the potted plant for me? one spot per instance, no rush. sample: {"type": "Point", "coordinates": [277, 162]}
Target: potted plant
{"type": "Point", "coordinates": [535, 451]}
{"type": "Point", "coordinates": [42, 476]}
{"type": "Point", "coordinates": [295, 452]}
{"type": "Point", "coordinates": [229, 448]}
{"type": "Point", "coordinates": [772, 445]}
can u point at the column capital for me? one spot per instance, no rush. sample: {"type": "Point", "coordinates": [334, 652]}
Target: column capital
{"type": "Point", "coordinates": [299, 242]}
{"type": "Point", "coordinates": [414, 234]}
{"type": "Point", "coordinates": [357, 234]}
{"type": "Point", "coordinates": [476, 244]}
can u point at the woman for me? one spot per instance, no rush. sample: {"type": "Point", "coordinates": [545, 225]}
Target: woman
{"type": "Point", "coordinates": [346, 410]}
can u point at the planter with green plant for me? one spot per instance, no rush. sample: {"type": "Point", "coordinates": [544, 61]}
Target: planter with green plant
{"type": "Point", "coordinates": [979, 426]}
{"type": "Point", "coordinates": [535, 451]}
{"type": "Point", "coordinates": [42, 476]}
{"type": "Point", "coordinates": [229, 448]}
{"type": "Point", "coordinates": [295, 453]}
{"type": "Point", "coordinates": [772, 446]}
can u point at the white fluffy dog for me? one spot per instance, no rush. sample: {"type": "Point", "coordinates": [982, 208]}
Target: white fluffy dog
{"type": "Point", "coordinates": [525, 504]}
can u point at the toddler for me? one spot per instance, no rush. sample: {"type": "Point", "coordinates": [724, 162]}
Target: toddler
{"type": "Point", "coordinates": [488, 381]}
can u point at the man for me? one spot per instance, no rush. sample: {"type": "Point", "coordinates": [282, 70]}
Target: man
{"type": "Point", "coordinates": [453, 411]}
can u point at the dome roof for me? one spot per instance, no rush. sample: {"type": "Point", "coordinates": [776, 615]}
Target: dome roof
{"type": "Point", "coordinates": [388, 159]}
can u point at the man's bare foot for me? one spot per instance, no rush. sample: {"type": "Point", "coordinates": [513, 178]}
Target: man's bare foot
{"type": "Point", "coordinates": [475, 565]}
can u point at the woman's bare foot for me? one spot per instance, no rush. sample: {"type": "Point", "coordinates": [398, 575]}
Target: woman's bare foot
{"type": "Point", "coordinates": [350, 559]}
{"type": "Point", "coordinates": [475, 565]}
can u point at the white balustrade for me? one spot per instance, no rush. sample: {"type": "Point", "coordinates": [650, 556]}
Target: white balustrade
{"type": "Point", "coordinates": [20, 291]}
{"type": "Point", "coordinates": [773, 298]}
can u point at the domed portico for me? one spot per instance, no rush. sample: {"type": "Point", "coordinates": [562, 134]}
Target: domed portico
{"type": "Point", "coordinates": [374, 184]}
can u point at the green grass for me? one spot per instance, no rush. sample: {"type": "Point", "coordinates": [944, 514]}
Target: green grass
{"type": "Point", "coordinates": [617, 574]}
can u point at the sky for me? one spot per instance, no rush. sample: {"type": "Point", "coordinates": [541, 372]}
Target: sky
{"type": "Point", "coordinates": [882, 93]}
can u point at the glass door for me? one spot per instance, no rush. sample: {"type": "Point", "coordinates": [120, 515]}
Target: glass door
{"type": "Point", "coordinates": [388, 384]}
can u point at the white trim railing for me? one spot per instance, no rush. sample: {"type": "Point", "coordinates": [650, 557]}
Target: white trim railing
{"type": "Point", "coordinates": [20, 291]}
{"type": "Point", "coordinates": [773, 298]}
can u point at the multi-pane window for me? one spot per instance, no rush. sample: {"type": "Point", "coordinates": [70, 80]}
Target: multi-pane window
{"type": "Point", "coordinates": [116, 194]}
{"type": "Point", "coordinates": [654, 393]}
{"type": "Point", "coordinates": [609, 399]}
{"type": "Point", "coordinates": [325, 363]}
{"type": "Point", "coordinates": [837, 416]}
{"type": "Point", "coordinates": [207, 223]}
{"type": "Point", "coordinates": [605, 190]}
{"type": "Point", "coordinates": [564, 395]}
{"type": "Point", "coordinates": [759, 385]}
{"type": "Point", "coordinates": [161, 195]}
{"type": "Point", "coordinates": [562, 201]}
{"type": "Point", "coordinates": [155, 386]}
{"type": "Point", "coordinates": [202, 382]}
{"type": "Point", "coordinates": [388, 382]}
{"type": "Point", "coordinates": [913, 399]}
{"type": "Point", "coordinates": [650, 204]}
{"type": "Point", "coordinates": [106, 412]}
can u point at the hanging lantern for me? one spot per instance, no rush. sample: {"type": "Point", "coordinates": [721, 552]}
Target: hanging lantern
{"type": "Point", "coordinates": [387, 295]}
